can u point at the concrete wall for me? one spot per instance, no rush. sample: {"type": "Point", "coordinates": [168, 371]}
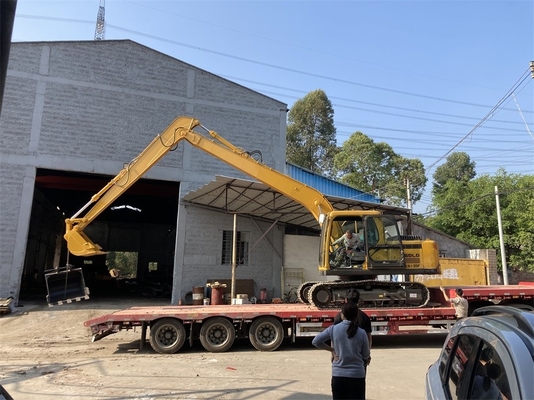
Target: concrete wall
{"type": "Point", "coordinates": [448, 246]}
{"type": "Point", "coordinates": [302, 252]}
{"type": "Point", "coordinates": [92, 106]}
{"type": "Point", "coordinates": [203, 250]}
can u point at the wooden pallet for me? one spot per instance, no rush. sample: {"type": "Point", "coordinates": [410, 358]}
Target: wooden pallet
{"type": "Point", "coordinates": [5, 305]}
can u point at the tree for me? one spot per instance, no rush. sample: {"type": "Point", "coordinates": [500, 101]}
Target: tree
{"type": "Point", "coordinates": [467, 210]}
{"type": "Point", "coordinates": [376, 168]}
{"type": "Point", "coordinates": [311, 135]}
{"type": "Point", "coordinates": [457, 167]}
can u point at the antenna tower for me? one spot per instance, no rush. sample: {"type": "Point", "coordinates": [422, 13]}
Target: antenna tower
{"type": "Point", "coordinates": [100, 25]}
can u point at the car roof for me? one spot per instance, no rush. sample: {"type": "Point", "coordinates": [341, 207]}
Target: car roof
{"type": "Point", "coordinates": [520, 322]}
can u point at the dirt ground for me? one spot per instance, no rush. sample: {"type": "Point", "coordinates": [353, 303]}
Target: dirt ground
{"type": "Point", "coordinates": [47, 353]}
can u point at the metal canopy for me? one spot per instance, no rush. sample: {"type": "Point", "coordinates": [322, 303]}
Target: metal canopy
{"type": "Point", "coordinates": [239, 196]}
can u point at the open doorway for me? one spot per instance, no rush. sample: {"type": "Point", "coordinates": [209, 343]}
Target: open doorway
{"type": "Point", "coordinates": [137, 231]}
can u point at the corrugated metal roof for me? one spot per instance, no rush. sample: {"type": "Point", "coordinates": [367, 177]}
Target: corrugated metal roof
{"type": "Point", "coordinates": [246, 197]}
{"type": "Point", "coordinates": [328, 186]}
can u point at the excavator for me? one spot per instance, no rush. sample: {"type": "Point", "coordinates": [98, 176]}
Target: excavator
{"type": "Point", "coordinates": [381, 248]}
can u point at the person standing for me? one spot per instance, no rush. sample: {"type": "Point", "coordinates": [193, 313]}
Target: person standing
{"type": "Point", "coordinates": [364, 322]}
{"type": "Point", "coordinates": [459, 302]}
{"type": "Point", "coordinates": [350, 354]}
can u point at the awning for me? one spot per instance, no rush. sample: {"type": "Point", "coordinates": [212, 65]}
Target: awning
{"type": "Point", "coordinates": [255, 199]}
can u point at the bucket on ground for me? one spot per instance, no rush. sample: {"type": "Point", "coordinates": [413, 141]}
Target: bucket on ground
{"type": "Point", "coordinates": [206, 301]}
{"type": "Point", "coordinates": [217, 295]}
{"type": "Point", "coordinates": [198, 295]}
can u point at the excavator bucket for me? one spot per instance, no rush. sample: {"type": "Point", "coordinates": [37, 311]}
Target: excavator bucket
{"type": "Point", "coordinates": [65, 286]}
{"type": "Point", "coordinates": [79, 244]}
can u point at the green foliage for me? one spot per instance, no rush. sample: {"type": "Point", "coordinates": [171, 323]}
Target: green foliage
{"type": "Point", "coordinates": [376, 168]}
{"type": "Point", "coordinates": [467, 209]}
{"type": "Point", "coordinates": [126, 262]}
{"type": "Point", "coordinates": [458, 167]}
{"type": "Point", "coordinates": [311, 135]}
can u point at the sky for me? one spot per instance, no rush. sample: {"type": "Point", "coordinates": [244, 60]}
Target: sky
{"type": "Point", "coordinates": [427, 77]}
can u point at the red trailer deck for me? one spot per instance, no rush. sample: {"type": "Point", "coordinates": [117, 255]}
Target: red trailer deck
{"type": "Point", "coordinates": [266, 325]}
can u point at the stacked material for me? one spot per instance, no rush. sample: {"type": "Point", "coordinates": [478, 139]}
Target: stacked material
{"type": "Point", "coordinates": [6, 305]}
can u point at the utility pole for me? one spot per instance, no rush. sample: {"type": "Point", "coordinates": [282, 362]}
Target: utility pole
{"type": "Point", "coordinates": [501, 239]}
{"type": "Point", "coordinates": [409, 205]}
{"type": "Point", "coordinates": [234, 259]}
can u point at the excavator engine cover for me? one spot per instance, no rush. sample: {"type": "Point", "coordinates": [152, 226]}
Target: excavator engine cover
{"type": "Point", "coordinates": [65, 286]}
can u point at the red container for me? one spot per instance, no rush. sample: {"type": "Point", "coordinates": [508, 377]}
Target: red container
{"type": "Point", "coordinates": [217, 296]}
{"type": "Point", "coordinates": [263, 296]}
{"type": "Point", "coordinates": [198, 295]}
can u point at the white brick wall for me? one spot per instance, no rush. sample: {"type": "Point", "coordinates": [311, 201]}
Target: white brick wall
{"type": "Point", "coordinates": [203, 250]}
{"type": "Point", "coordinates": [92, 106]}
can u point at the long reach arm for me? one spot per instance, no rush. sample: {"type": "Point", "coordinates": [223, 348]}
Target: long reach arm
{"type": "Point", "coordinates": [180, 129]}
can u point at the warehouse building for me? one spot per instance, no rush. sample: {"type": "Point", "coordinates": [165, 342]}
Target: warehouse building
{"type": "Point", "coordinates": [74, 113]}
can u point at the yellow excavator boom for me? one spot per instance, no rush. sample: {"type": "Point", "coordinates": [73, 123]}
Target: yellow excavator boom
{"type": "Point", "coordinates": [182, 128]}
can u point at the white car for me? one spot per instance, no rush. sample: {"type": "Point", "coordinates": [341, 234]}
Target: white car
{"type": "Point", "coordinates": [489, 355]}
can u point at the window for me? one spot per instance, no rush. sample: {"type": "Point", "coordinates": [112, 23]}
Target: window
{"type": "Point", "coordinates": [490, 378]}
{"type": "Point", "coordinates": [458, 375]}
{"type": "Point", "coordinates": [444, 359]}
{"type": "Point", "coordinates": [242, 247]}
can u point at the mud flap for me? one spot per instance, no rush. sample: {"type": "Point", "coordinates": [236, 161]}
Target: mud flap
{"type": "Point", "coordinates": [65, 285]}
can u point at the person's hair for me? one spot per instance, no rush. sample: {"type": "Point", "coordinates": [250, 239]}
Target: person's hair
{"type": "Point", "coordinates": [350, 312]}
{"type": "Point", "coordinates": [487, 354]}
{"type": "Point", "coordinates": [459, 292]}
{"type": "Point", "coordinates": [493, 371]}
{"type": "Point", "coordinates": [353, 295]}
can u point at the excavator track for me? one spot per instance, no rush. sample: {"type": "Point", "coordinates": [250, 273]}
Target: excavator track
{"type": "Point", "coordinates": [303, 289]}
{"type": "Point", "coordinates": [373, 294]}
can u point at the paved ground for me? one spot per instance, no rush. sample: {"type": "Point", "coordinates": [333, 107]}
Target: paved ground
{"type": "Point", "coordinates": [46, 353]}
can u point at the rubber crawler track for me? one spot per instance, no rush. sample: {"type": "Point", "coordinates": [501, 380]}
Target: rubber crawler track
{"type": "Point", "coordinates": [362, 287]}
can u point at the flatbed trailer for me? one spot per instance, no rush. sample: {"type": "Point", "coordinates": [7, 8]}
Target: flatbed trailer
{"type": "Point", "coordinates": [521, 295]}
{"type": "Point", "coordinates": [267, 325]}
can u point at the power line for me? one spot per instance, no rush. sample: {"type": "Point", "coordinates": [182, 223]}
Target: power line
{"type": "Point", "coordinates": [487, 116]}
{"type": "Point", "coordinates": [464, 203]}
{"type": "Point", "coordinates": [234, 78]}
{"type": "Point", "coordinates": [265, 64]}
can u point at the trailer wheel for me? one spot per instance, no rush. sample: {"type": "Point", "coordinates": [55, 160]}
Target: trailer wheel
{"type": "Point", "coordinates": [266, 333]}
{"type": "Point", "coordinates": [217, 334]}
{"type": "Point", "coordinates": [167, 336]}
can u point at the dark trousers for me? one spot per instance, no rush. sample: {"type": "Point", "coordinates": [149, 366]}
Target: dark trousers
{"type": "Point", "coordinates": [348, 388]}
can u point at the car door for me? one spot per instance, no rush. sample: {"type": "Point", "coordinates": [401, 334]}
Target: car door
{"type": "Point", "coordinates": [455, 371]}
{"type": "Point", "coordinates": [461, 370]}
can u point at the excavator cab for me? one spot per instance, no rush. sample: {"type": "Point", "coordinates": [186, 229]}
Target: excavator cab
{"type": "Point", "coordinates": [65, 285]}
{"type": "Point", "coordinates": [374, 246]}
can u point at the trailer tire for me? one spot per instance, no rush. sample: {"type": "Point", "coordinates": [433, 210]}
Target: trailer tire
{"type": "Point", "coordinates": [266, 333]}
{"type": "Point", "coordinates": [217, 334]}
{"type": "Point", "coordinates": [167, 335]}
